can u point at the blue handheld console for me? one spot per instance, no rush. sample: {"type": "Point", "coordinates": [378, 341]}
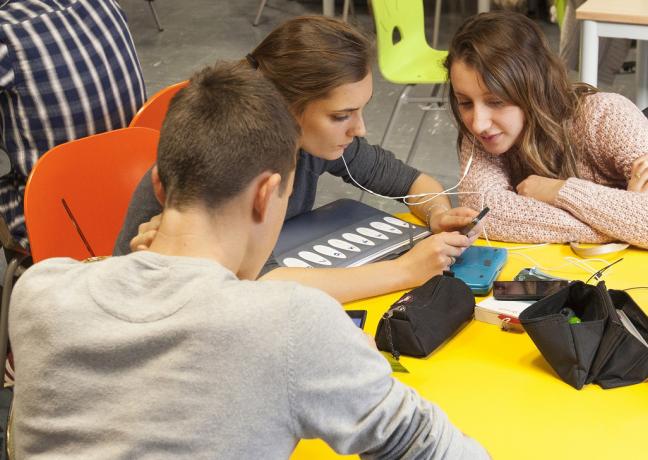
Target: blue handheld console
{"type": "Point", "coordinates": [479, 267]}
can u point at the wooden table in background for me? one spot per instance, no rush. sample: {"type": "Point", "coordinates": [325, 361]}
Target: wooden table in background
{"type": "Point", "coordinates": [617, 19]}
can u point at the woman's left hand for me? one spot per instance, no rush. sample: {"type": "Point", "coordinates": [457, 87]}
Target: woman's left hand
{"type": "Point", "coordinates": [540, 188]}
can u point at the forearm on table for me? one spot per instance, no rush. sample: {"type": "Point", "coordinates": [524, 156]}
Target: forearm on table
{"type": "Point", "coordinates": [620, 214]}
{"type": "Point", "coordinates": [521, 219]}
{"type": "Point", "coordinates": [348, 284]}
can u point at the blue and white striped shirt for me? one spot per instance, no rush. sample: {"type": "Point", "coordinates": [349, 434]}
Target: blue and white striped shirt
{"type": "Point", "coordinates": [68, 69]}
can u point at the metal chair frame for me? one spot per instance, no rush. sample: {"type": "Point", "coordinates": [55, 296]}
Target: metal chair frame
{"type": "Point", "coordinates": [155, 15]}
{"type": "Point", "coordinates": [427, 104]}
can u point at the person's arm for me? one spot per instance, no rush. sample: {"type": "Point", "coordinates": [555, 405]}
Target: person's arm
{"type": "Point", "coordinates": [428, 258]}
{"type": "Point", "coordinates": [514, 217]}
{"type": "Point", "coordinates": [437, 212]}
{"type": "Point", "coordinates": [341, 390]}
{"type": "Point", "coordinates": [613, 134]}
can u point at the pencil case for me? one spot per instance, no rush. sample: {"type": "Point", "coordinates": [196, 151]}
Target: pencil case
{"type": "Point", "coordinates": [580, 331]}
{"type": "Point", "coordinates": [422, 319]}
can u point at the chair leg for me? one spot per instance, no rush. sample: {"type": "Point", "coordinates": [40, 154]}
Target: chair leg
{"type": "Point", "coordinates": [348, 6]}
{"type": "Point", "coordinates": [9, 276]}
{"type": "Point", "coordinates": [155, 15]}
{"type": "Point", "coordinates": [402, 99]}
{"type": "Point", "coordinates": [437, 20]}
{"type": "Point", "coordinates": [415, 142]}
{"type": "Point", "coordinates": [262, 5]}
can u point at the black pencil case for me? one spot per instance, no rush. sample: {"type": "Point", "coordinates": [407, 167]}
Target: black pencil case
{"type": "Point", "coordinates": [422, 319]}
{"type": "Point", "coordinates": [598, 348]}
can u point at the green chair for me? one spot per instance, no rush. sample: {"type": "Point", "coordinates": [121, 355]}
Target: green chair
{"type": "Point", "coordinates": [560, 5]}
{"type": "Point", "coordinates": [404, 56]}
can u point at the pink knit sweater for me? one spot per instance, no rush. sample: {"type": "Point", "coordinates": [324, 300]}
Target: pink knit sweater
{"type": "Point", "coordinates": [596, 208]}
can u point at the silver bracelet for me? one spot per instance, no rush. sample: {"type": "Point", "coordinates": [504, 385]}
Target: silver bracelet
{"type": "Point", "coordinates": [429, 211]}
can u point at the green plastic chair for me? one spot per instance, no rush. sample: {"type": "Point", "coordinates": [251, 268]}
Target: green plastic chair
{"type": "Point", "coordinates": [406, 58]}
{"type": "Point", "coordinates": [560, 5]}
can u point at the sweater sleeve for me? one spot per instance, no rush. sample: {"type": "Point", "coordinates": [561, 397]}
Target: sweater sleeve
{"type": "Point", "coordinates": [614, 133]}
{"type": "Point", "coordinates": [514, 217]}
{"type": "Point", "coordinates": [340, 390]}
{"type": "Point", "coordinates": [374, 168]}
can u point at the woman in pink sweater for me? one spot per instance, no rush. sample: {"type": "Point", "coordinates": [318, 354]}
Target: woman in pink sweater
{"type": "Point", "coordinates": [555, 161]}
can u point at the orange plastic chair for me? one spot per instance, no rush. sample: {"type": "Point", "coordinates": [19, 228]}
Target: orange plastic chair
{"type": "Point", "coordinates": [152, 113]}
{"type": "Point", "coordinates": [94, 178]}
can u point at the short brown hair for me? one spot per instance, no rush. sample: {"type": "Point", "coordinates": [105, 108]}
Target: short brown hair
{"type": "Point", "coordinates": [309, 56]}
{"type": "Point", "coordinates": [221, 131]}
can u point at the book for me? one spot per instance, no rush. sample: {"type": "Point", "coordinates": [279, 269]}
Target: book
{"type": "Point", "coordinates": [502, 313]}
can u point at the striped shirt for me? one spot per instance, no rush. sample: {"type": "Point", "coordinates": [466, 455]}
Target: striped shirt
{"type": "Point", "coordinates": [68, 69]}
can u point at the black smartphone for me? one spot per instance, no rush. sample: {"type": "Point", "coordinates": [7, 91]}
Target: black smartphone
{"type": "Point", "coordinates": [358, 317]}
{"type": "Point", "coordinates": [466, 229]}
{"type": "Point", "coordinates": [526, 290]}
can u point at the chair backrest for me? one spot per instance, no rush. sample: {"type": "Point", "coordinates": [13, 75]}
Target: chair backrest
{"type": "Point", "coordinates": [400, 30]}
{"type": "Point", "coordinates": [96, 177]}
{"type": "Point", "coordinates": [152, 113]}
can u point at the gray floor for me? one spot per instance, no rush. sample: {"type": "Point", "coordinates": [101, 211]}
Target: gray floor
{"type": "Point", "coordinates": [198, 32]}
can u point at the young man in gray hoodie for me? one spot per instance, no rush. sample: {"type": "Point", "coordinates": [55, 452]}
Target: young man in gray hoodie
{"type": "Point", "coordinates": [176, 352]}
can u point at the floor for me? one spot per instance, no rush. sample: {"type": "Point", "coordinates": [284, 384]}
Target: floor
{"type": "Point", "coordinates": [199, 32]}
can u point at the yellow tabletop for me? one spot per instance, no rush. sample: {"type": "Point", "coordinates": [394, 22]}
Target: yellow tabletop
{"type": "Point", "coordinates": [496, 387]}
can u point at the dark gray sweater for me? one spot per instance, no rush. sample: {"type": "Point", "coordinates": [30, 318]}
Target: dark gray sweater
{"type": "Point", "coordinates": [373, 167]}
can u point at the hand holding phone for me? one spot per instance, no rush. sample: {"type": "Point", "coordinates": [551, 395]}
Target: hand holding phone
{"type": "Point", "coordinates": [467, 228]}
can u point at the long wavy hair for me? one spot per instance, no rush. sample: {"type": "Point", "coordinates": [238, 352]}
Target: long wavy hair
{"type": "Point", "coordinates": [512, 55]}
{"type": "Point", "coordinates": [309, 56]}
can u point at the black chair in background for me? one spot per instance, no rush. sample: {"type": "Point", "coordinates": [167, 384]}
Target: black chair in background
{"type": "Point", "coordinates": [18, 258]}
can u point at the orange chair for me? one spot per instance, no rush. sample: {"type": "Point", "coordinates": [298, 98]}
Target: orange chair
{"type": "Point", "coordinates": [152, 113]}
{"type": "Point", "coordinates": [78, 193]}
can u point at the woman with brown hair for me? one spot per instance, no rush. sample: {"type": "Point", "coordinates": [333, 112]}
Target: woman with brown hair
{"type": "Point", "coordinates": [555, 161]}
{"type": "Point", "coordinates": [322, 67]}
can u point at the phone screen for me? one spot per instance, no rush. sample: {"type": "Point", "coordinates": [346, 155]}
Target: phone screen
{"type": "Point", "coordinates": [526, 290]}
{"type": "Point", "coordinates": [358, 317]}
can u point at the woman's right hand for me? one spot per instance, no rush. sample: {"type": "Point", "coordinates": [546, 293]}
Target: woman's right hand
{"type": "Point", "coordinates": [433, 255]}
{"type": "Point", "coordinates": [145, 234]}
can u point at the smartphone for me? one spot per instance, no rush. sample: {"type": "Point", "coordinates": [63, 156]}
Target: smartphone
{"type": "Point", "coordinates": [526, 290]}
{"type": "Point", "coordinates": [358, 317]}
{"type": "Point", "coordinates": [466, 229]}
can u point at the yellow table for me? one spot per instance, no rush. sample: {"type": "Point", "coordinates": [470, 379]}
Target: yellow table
{"type": "Point", "coordinates": [496, 387]}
